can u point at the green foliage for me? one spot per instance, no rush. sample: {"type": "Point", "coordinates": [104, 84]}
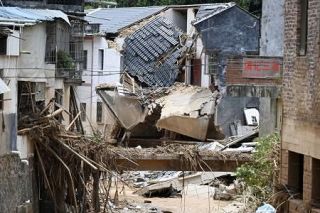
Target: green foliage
{"type": "Point", "coordinates": [262, 171]}
{"type": "Point", "coordinates": [65, 61]}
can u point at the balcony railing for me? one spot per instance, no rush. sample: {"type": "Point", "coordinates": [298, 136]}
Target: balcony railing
{"type": "Point", "coordinates": [71, 76]}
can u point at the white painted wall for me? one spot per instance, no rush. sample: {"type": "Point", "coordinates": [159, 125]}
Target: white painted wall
{"type": "Point", "coordinates": [110, 75]}
{"type": "Point", "coordinates": [177, 18]}
{"type": "Point", "coordinates": [27, 63]}
{"type": "Point", "coordinates": [272, 28]}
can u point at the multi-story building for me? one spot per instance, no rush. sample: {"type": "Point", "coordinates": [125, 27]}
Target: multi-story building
{"type": "Point", "coordinates": [37, 65]}
{"type": "Point", "coordinates": [300, 146]}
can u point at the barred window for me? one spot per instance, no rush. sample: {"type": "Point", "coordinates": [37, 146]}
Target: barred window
{"type": "Point", "coordinates": [99, 111]}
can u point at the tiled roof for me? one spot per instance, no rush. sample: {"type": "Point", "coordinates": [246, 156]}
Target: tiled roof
{"type": "Point", "coordinates": [152, 52]}
{"type": "Point", "coordinates": [112, 20]}
{"type": "Point", "coordinates": [23, 15]}
{"type": "Point", "coordinates": [207, 11]}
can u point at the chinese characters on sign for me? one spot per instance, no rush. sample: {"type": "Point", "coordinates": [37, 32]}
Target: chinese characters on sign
{"type": "Point", "coordinates": [262, 68]}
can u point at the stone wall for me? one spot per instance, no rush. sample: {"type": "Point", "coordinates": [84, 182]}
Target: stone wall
{"type": "Point", "coordinates": [16, 194]}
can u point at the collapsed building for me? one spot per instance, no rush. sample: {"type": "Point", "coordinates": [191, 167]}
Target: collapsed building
{"type": "Point", "coordinates": [157, 53]}
{"type": "Point", "coordinates": [153, 57]}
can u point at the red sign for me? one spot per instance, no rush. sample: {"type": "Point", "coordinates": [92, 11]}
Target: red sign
{"type": "Point", "coordinates": [262, 68]}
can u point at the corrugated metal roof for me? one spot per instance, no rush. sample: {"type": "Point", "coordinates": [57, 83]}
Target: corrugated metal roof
{"type": "Point", "coordinates": [207, 11]}
{"type": "Point", "coordinates": [114, 19]}
{"type": "Point", "coordinates": [23, 15]}
{"type": "Point", "coordinates": [151, 53]}
{"type": "Point", "coordinates": [3, 87]}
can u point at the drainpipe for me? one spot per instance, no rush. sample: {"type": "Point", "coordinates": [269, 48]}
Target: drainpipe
{"type": "Point", "coordinates": [91, 95]}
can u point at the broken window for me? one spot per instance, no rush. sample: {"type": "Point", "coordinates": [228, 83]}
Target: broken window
{"type": "Point", "coordinates": [3, 44]}
{"type": "Point", "coordinates": [101, 59]}
{"type": "Point", "coordinates": [303, 26]}
{"type": "Point", "coordinates": [1, 95]}
{"type": "Point", "coordinates": [99, 111]}
{"type": "Point", "coordinates": [83, 109]}
{"type": "Point", "coordinates": [295, 171]}
{"type": "Point", "coordinates": [85, 59]}
{"type": "Point", "coordinates": [27, 99]}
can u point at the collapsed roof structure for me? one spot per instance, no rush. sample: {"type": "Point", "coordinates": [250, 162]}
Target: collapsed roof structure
{"type": "Point", "coordinates": [152, 53]}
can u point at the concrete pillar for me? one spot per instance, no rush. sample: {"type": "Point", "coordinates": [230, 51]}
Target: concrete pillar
{"type": "Point", "coordinates": [268, 116]}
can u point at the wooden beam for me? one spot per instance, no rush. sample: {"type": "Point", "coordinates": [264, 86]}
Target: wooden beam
{"type": "Point", "coordinates": [176, 162]}
{"type": "Point", "coordinates": [146, 143]}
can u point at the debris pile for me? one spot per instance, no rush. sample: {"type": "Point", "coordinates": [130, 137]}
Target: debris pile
{"type": "Point", "coordinates": [182, 109]}
{"type": "Point", "coordinates": [221, 185]}
{"type": "Point", "coordinates": [73, 165]}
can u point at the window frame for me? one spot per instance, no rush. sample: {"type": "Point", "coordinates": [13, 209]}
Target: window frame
{"type": "Point", "coordinates": [99, 112]}
{"type": "Point", "coordinates": [101, 59]}
{"type": "Point", "coordinates": [303, 27]}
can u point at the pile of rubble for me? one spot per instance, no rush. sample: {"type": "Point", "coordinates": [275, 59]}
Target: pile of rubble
{"type": "Point", "coordinates": [221, 185]}
{"type": "Point", "coordinates": [181, 109]}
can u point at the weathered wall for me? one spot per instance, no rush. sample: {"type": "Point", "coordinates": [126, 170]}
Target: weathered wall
{"type": "Point", "coordinates": [230, 109]}
{"type": "Point", "coordinates": [110, 74]}
{"type": "Point", "coordinates": [301, 80]}
{"type": "Point", "coordinates": [272, 28]}
{"type": "Point", "coordinates": [15, 184]}
{"type": "Point", "coordinates": [301, 99]}
{"type": "Point", "coordinates": [177, 17]}
{"type": "Point", "coordinates": [232, 31]}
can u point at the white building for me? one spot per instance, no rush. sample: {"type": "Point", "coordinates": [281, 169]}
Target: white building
{"type": "Point", "coordinates": [27, 69]}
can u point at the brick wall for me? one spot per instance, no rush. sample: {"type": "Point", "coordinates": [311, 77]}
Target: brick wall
{"type": "Point", "coordinates": [301, 77]}
{"type": "Point", "coordinates": [234, 75]}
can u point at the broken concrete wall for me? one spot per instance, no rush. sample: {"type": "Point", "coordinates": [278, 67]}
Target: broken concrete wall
{"type": "Point", "coordinates": [16, 191]}
{"type": "Point", "coordinates": [8, 133]}
{"type": "Point", "coordinates": [230, 109]}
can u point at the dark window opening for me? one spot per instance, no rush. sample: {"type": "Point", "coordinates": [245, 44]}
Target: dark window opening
{"type": "Point", "coordinates": [303, 27]}
{"type": "Point", "coordinates": [83, 109]}
{"type": "Point", "coordinates": [3, 45]}
{"type": "Point", "coordinates": [196, 72]}
{"type": "Point", "coordinates": [99, 111]}
{"type": "Point", "coordinates": [101, 59]}
{"type": "Point", "coordinates": [85, 59]}
{"type": "Point", "coordinates": [1, 95]}
{"type": "Point", "coordinates": [30, 100]}
{"type": "Point", "coordinates": [295, 172]}
{"type": "Point", "coordinates": [316, 183]}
